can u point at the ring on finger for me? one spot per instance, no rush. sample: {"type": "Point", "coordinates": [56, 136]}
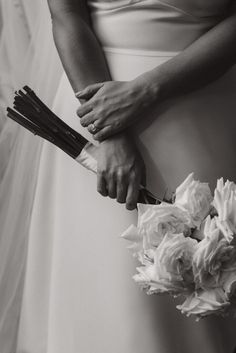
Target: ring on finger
{"type": "Point", "coordinates": [93, 128]}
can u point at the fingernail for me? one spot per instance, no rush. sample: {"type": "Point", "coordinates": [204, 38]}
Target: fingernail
{"type": "Point", "coordinates": [130, 207]}
{"type": "Point", "coordinates": [78, 94]}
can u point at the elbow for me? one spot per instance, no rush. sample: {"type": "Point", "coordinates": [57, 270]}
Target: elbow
{"type": "Point", "coordinates": [53, 8]}
{"type": "Point", "coordinates": [59, 11]}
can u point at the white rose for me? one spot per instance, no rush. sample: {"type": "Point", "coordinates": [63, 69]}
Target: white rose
{"type": "Point", "coordinates": [148, 279]}
{"type": "Point", "coordinates": [228, 281]}
{"type": "Point", "coordinates": [213, 256]}
{"type": "Point", "coordinates": [202, 303]}
{"type": "Point", "coordinates": [135, 238]}
{"type": "Point", "coordinates": [172, 268]}
{"type": "Point", "coordinates": [225, 205]}
{"type": "Point", "coordinates": [195, 197]}
{"type": "Point", "coordinates": [154, 221]}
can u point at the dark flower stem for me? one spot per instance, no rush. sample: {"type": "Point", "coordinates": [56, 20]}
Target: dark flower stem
{"type": "Point", "coordinates": [31, 113]}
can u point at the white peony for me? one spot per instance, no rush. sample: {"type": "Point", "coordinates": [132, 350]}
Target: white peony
{"type": "Point", "coordinates": [225, 205]}
{"type": "Point", "coordinates": [202, 303]}
{"type": "Point", "coordinates": [172, 268]}
{"type": "Point", "coordinates": [213, 256]}
{"type": "Point", "coordinates": [194, 197]}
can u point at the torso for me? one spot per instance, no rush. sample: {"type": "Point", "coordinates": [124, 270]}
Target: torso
{"type": "Point", "coordinates": [201, 7]}
{"type": "Point", "coordinates": [195, 132]}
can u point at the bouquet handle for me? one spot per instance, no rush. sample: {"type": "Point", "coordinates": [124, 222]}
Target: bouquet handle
{"type": "Point", "coordinates": [87, 158]}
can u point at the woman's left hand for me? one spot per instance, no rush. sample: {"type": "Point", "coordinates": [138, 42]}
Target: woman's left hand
{"type": "Point", "coordinates": [110, 107]}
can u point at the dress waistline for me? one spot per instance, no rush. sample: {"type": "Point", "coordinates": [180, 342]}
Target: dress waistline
{"type": "Point", "coordinates": [136, 52]}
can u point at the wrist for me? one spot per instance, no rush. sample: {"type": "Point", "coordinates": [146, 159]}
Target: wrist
{"type": "Point", "coordinates": [151, 87]}
{"type": "Point", "coordinates": [120, 139]}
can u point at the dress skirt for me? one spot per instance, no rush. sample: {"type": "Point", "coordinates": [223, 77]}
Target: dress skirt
{"type": "Point", "coordinates": [79, 295]}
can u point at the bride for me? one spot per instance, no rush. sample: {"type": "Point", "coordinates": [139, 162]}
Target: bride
{"type": "Point", "coordinates": [155, 84]}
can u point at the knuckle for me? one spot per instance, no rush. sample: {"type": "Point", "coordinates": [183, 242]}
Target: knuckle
{"type": "Point", "coordinates": [99, 122]}
{"type": "Point", "coordinates": [103, 99]}
{"type": "Point", "coordinates": [121, 174]}
{"type": "Point", "coordinates": [118, 124]}
{"type": "Point", "coordinates": [99, 137]}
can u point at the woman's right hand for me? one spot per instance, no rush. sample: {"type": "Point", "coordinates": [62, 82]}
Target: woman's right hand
{"type": "Point", "coordinates": [121, 170]}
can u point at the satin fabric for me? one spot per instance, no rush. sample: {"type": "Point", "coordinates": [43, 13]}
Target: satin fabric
{"type": "Point", "coordinates": [153, 25]}
{"type": "Point", "coordinates": [78, 291]}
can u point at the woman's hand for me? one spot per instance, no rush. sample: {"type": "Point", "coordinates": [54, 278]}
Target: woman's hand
{"type": "Point", "coordinates": [112, 106]}
{"type": "Point", "coordinates": [121, 170]}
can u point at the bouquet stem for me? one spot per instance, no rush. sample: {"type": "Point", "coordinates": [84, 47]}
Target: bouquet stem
{"type": "Point", "coordinates": [31, 113]}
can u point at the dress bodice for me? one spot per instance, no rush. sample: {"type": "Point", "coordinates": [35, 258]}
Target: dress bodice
{"type": "Point", "coordinates": [201, 8]}
{"type": "Point", "coordinates": [165, 25]}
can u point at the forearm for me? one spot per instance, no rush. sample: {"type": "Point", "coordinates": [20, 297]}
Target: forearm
{"type": "Point", "coordinates": [202, 62]}
{"type": "Point", "coordinates": [80, 52]}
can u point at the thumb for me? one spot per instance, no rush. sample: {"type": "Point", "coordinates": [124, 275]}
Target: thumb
{"type": "Point", "coordinates": [89, 91]}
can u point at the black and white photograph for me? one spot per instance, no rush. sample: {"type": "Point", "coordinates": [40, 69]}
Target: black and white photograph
{"type": "Point", "coordinates": [117, 176]}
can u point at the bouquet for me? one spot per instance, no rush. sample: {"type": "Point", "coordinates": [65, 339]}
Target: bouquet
{"type": "Point", "coordinates": [31, 113]}
{"type": "Point", "coordinates": [188, 248]}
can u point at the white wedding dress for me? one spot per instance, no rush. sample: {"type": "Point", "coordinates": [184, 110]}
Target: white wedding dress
{"type": "Point", "coordinates": [78, 293]}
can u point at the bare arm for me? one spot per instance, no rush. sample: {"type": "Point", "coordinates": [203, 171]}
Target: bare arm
{"type": "Point", "coordinates": [120, 166]}
{"type": "Point", "coordinates": [79, 49]}
{"type": "Point", "coordinates": [202, 62]}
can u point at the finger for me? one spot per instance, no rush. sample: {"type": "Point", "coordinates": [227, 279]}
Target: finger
{"type": "Point", "coordinates": [87, 119]}
{"type": "Point", "coordinates": [101, 184]}
{"type": "Point", "coordinates": [104, 133]}
{"type": "Point", "coordinates": [122, 186]}
{"type": "Point", "coordinates": [92, 128]}
{"type": "Point", "coordinates": [132, 193]}
{"type": "Point", "coordinates": [89, 91]}
{"type": "Point", "coordinates": [112, 188]}
{"type": "Point", "coordinates": [84, 109]}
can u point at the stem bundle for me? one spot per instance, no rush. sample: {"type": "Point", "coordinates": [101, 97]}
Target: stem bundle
{"type": "Point", "coordinates": [31, 113]}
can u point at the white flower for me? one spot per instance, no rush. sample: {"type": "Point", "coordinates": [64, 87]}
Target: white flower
{"type": "Point", "coordinates": [228, 280]}
{"type": "Point", "coordinates": [213, 256]}
{"type": "Point", "coordinates": [203, 303]}
{"type": "Point", "coordinates": [225, 204]}
{"type": "Point", "coordinates": [195, 197]}
{"type": "Point", "coordinates": [172, 268]}
{"type": "Point", "coordinates": [154, 221]}
{"type": "Point", "coordinates": [134, 236]}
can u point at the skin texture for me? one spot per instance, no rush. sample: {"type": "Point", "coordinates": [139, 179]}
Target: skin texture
{"type": "Point", "coordinates": [114, 106]}
{"type": "Point", "coordinates": [77, 46]}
